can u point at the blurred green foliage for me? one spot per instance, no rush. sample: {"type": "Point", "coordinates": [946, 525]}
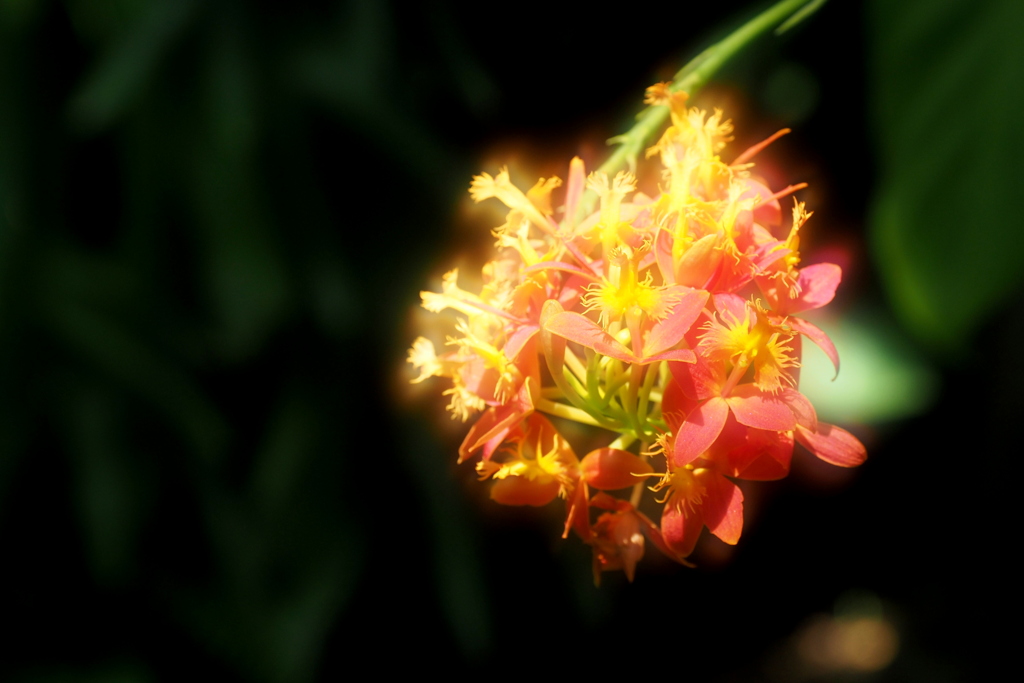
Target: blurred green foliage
{"type": "Point", "coordinates": [946, 88]}
{"type": "Point", "coordinates": [214, 217]}
{"type": "Point", "coordinates": [160, 250]}
{"type": "Point", "coordinates": [883, 378]}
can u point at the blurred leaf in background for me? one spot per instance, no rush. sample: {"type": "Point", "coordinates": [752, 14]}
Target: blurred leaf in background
{"type": "Point", "coordinates": [946, 91]}
{"type": "Point", "coordinates": [175, 300]}
{"type": "Point", "coordinates": [883, 379]}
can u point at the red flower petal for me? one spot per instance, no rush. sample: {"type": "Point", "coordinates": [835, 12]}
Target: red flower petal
{"type": "Point", "coordinates": [577, 516]}
{"type": "Point", "coordinates": [749, 453]}
{"type": "Point", "coordinates": [774, 459]}
{"type": "Point", "coordinates": [497, 421]}
{"type": "Point", "coordinates": [679, 530]}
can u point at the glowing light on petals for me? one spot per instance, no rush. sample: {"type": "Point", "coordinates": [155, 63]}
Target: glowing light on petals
{"type": "Point", "coordinates": [666, 318]}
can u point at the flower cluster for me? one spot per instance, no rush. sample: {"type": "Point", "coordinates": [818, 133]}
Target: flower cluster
{"type": "Point", "coordinates": [669, 320]}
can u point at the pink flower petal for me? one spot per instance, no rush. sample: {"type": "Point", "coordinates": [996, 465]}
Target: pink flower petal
{"type": "Point", "coordinates": [700, 263]}
{"type": "Point", "coordinates": [760, 409]}
{"type": "Point", "coordinates": [515, 342]}
{"type": "Point", "coordinates": [680, 529]}
{"type": "Point", "coordinates": [479, 379]}
{"type": "Point", "coordinates": [700, 429]}
{"type": "Point", "coordinates": [700, 380]}
{"type": "Point", "coordinates": [722, 506]}
{"type": "Point", "coordinates": [680, 355]}
{"type": "Point", "coordinates": [817, 287]}
{"type": "Point", "coordinates": [496, 422]}
{"type": "Point", "coordinates": [776, 453]}
{"type": "Point", "coordinates": [574, 188]}
{"type": "Point", "coordinates": [552, 345]}
{"type": "Point", "coordinates": [802, 408]}
{"type": "Point", "coordinates": [797, 344]}
{"type": "Point", "coordinates": [749, 453]}
{"type": "Point", "coordinates": [833, 445]}
{"type": "Point", "coordinates": [815, 334]}
{"type": "Point", "coordinates": [768, 213]}
{"type": "Point", "coordinates": [736, 270]}
{"type": "Point", "coordinates": [572, 291]}
{"type": "Point", "coordinates": [586, 332]}
{"type": "Point", "coordinates": [733, 304]}
{"type": "Point", "coordinates": [663, 254]}
{"type": "Point", "coordinates": [668, 332]}
{"type": "Point", "coordinates": [675, 405]}
{"type": "Point", "coordinates": [561, 265]}
{"type": "Point", "coordinates": [767, 254]}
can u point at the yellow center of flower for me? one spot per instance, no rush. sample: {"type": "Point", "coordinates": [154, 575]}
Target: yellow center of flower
{"type": "Point", "coordinates": [532, 462]}
{"type": "Point", "coordinates": [751, 340]}
{"type": "Point", "coordinates": [683, 488]}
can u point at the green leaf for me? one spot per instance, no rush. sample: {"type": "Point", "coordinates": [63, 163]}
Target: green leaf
{"type": "Point", "coordinates": [947, 87]}
{"type": "Point", "coordinates": [285, 450]}
{"type": "Point", "coordinates": [351, 70]}
{"type": "Point", "coordinates": [244, 273]}
{"type": "Point", "coordinates": [457, 562]}
{"type": "Point", "coordinates": [127, 67]}
{"type": "Point", "coordinates": [110, 345]}
{"type": "Point", "coordinates": [112, 484]}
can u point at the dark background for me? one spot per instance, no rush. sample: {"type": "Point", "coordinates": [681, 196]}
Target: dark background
{"type": "Point", "coordinates": [216, 219]}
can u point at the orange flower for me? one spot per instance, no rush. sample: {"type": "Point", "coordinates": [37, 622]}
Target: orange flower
{"type": "Point", "coordinates": [667, 322]}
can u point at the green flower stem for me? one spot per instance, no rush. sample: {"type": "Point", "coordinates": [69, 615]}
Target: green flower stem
{"type": "Point", "coordinates": [614, 378]}
{"type": "Point", "coordinates": [633, 395]}
{"type": "Point", "coordinates": [691, 78]}
{"type": "Point", "coordinates": [570, 388]}
{"type": "Point", "coordinates": [593, 386]}
{"type": "Point", "coordinates": [566, 385]}
{"type": "Point", "coordinates": [611, 389]}
{"type": "Point", "coordinates": [573, 361]}
{"type": "Point", "coordinates": [568, 412]}
{"type": "Point", "coordinates": [638, 489]}
{"type": "Point", "coordinates": [653, 418]}
{"type": "Point", "coordinates": [623, 441]}
{"type": "Point", "coordinates": [656, 425]}
{"type": "Point", "coordinates": [576, 392]}
{"type": "Point", "coordinates": [653, 372]}
{"type": "Point", "coordinates": [601, 402]}
{"type": "Point", "coordinates": [624, 401]}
